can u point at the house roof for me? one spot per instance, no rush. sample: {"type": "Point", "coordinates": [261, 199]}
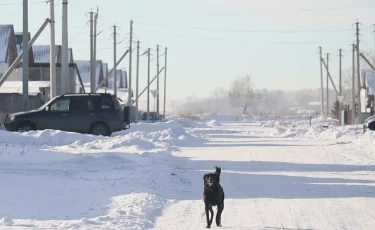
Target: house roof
{"type": "Point", "coordinates": [41, 53]}
{"type": "Point", "coordinates": [84, 70]}
{"type": "Point", "coordinates": [10, 87]}
{"type": "Point", "coordinates": [19, 45]}
{"type": "Point", "coordinates": [5, 36]}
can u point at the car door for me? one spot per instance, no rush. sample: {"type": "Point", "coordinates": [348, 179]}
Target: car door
{"type": "Point", "coordinates": [56, 116]}
{"type": "Point", "coordinates": [104, 109]}
{"type": "Point", "coordinates": [82, 114]}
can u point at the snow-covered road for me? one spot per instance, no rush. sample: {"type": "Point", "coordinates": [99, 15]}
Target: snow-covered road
{"type": "Point", "coordinates": [151, 177]}
{"type": "Point", "coordinates": [277, 183]}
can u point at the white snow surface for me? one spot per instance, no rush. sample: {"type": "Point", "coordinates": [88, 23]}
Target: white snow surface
{"type": "Point", "coordinates": [277, 173]}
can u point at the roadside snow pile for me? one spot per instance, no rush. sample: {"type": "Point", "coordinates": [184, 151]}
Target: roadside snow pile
{"type": "Point", "coordinates": [274, 123]}
{"type": "Point", "coordinates": [45, 137]}
{"type": "Point", "coordinates": [299, 121]}
{"type": "Point", "coordinates": [6, 221]}
{"type": "Point", "coordinates": [188, 123]}
{"type": "Point", "coordinates": [320, 132]}
{"type": "Point", "coordinates": [142, 135]}
{"type": "Point", "coordinates": [213, 123]}
{"type": "Point", "coordinates": [118, 182]}
{"type": "Point", "coordinates": [221, 118]}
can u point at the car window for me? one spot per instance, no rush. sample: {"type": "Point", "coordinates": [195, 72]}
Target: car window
{"type": "Point", "coordinates": [80, 103]}
{"type": "Point", "coordinates": [106, 103]}
{"type": "Point", "coordinates": [62, 105]}
{"type": "Point", "coordinates": [116, 102]}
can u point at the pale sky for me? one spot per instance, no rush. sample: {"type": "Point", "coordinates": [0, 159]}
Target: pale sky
{"type": "Point", "coordinates": [211, 42]}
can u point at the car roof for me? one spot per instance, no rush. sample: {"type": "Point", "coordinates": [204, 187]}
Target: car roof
{"type": "Point", "coordinates": [86, 94]}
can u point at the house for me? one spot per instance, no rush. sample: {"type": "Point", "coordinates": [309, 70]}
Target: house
{"type": "Point", "coordinates": [8, 50]}
{"type": "Point", "coordinates": [84, 70]}
{"type": "Point", "coordinates": [40, 67]}
{"type": "Point", "coordinates": [121, 79]}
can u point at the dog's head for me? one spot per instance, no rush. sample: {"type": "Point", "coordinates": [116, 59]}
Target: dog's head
{"type": "Point", "coordinates": [211, 179]}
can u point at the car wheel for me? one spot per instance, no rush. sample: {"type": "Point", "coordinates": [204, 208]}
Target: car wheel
{"type": "Point", "coordinates": [371, 126]}
{"type": "Point", "coordinates": [100, 129]}
{"type": "Point", "coordinates": [26, 127]}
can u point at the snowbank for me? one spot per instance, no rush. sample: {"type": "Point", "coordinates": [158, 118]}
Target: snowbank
{"type": "Point", "coordinates": [142, 135]}
{"type": "Point", "coordinates": [213, 123]}
{"type": "Point", "coordinates": [221, 118]}
{"type": "Point", "coordinates": [120, 181]}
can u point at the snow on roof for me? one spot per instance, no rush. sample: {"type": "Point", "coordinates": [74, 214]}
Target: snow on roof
{"type": "Point", "coordinates": [41, 53]}
{"type": "Point", "coordinates": [5, 33]}
{"type": "Point", "coordinates": [84, 70]}
{"type": "Point", "coordinates": [10, 87]}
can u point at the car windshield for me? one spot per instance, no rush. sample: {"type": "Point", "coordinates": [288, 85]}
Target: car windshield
{"type": "Point", "coordinates": [46, 104]}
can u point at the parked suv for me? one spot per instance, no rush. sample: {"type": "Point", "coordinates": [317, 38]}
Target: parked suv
{"type": "Point", "coordinates": [98, 114]}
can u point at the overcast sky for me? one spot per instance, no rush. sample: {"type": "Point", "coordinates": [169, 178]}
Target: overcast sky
{"type": "Point", "coordinates": [211, 42]}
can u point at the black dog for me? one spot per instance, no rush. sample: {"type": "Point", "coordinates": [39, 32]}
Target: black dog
{"type": "Point", "coordinates": [213, 195]}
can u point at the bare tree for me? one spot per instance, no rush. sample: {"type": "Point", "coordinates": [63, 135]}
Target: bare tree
{"type": "Point", "coordinates": [241, 92]}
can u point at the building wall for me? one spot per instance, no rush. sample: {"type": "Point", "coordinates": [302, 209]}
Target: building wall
{"type": "Point", "coordinates": [14, 76]}
{"type": "Point", "coordinates": [39, 73]}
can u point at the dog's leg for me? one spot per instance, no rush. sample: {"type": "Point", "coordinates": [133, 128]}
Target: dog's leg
{"type": "Point", "coordinates": [207, 217]}
{"type": "Point", "coordinates": [212, 215]}
{"type": "Point", "coordinates": [220, 208]}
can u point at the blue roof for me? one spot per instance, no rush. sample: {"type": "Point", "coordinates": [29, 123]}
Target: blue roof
{"type": "Point", "coordinates": [5, 36]}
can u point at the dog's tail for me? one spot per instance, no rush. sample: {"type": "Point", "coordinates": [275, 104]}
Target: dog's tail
{"type": "Point", "coordinates": [218, 169]}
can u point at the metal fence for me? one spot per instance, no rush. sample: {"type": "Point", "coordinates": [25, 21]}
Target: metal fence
{"type": "Point", "coordinates": [13, 103]}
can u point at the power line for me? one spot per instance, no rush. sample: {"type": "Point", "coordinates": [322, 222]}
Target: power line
{"type": "Point", "coordinates": [259, 42]}
{"type": "Point", "coordinates": [245, 31]}
{"type": "Point", "coordinates": [339, 8]}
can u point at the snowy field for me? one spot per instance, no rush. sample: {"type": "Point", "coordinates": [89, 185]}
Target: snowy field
{"type": "Point", "coordinates": [278, 173]}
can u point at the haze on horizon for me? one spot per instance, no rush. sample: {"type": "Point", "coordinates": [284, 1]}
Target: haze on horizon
{"type": "Point", "coordinates": [210, 42]}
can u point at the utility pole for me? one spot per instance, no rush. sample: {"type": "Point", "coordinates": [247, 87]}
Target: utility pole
{"type": "Point", "coordinates": [340, 83]}
{"type": "Point", "coordinates": [148, 83]}
{"type": "Point", "coordinates": [25, 56]}
{"type": "Point", "coordinates": [358, 74]}
{"type": "Point", "coordinates": [92, 61]}
{"type": "Point", "coordinates": [327, 84]}
{"type": "Point", "coordinates": [157, 81]}
{"type": "Point", "coordinates": [52, 54]}
{"type": "Point", "coordinates": [137, 85]}
{"type": "Point", "coordinates": [65, 50]}
{"type": "Point", "coordinates": [353, 87]}
{"type": "Point", "coordinates": [130, 101]}
{"type": "Point", "coordinates": [321, 83]}
{"type": "Point", "coordinates": [165, 81]}
{"type": "Point", "coordinates": [114, 61]}
{"type": "Point", "coordinates": [95, 34]}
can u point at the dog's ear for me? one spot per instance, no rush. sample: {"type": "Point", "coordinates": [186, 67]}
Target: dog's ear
{"type": "Point", "coordinates": [204, 177]}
